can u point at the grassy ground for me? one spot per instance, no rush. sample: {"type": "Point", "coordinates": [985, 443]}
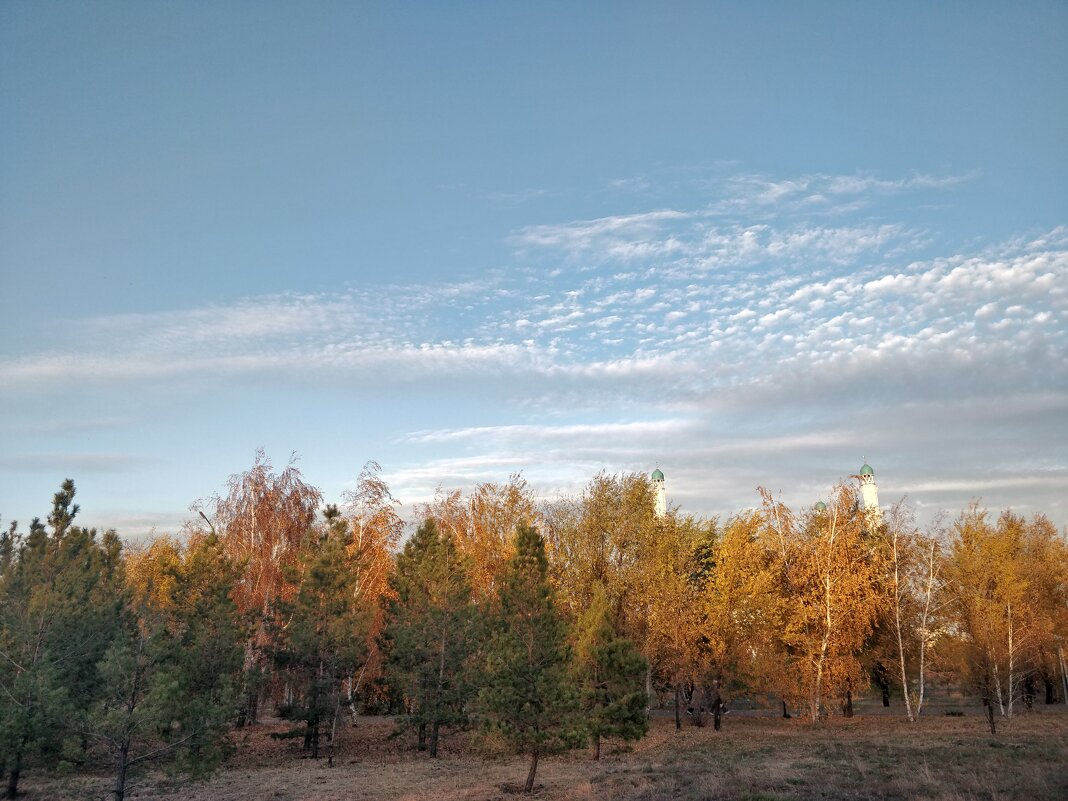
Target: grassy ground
{"type": "Point", "coordinates": [754, 758]}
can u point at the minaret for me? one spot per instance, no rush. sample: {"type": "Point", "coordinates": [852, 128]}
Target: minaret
{"type": "Point", "coordinates": [869, 493]}
{"type": "Point", "coordinates": [660, 503]}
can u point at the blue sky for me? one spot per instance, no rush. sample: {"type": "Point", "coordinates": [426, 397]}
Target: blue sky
{"type": "Point", "coordinates": [749, 243]}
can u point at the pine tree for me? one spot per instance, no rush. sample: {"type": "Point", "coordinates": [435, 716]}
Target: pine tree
{"type": "Point", "coordinates": [611, 678]}
{"type": "Point", "coordinates": [431, 633]}
{"type": "Point", "coordinates": [320, 633]}
{"type": "Point", "coordinates": [59, 589]}
{"type": "Point", "coordinates": [168, 683]}
{"type": "Point", "coordinates": [529, 695]}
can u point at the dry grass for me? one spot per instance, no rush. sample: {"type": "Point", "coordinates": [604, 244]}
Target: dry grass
{"type": "Point", "coordinates": [754, 758]}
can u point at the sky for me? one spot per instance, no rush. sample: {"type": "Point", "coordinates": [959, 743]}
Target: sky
{"type": "Point", "coordinates": [752, 244]}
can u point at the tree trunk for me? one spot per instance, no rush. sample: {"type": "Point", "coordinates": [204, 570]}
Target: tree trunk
{"type": "Point", "coordinates": [252, 707]}
{"type": "Point", "coordinates": [1012, 661]}
{"type": "Point", "coordinates": [13, 776]}
{"type": "Point", "coordinates": [1050, 699]}
{"type": "Point", "coordinates": [997, 690]}
{"type": "Point", "coordinates": [119, 790]}
{"type": "Point", "coordinates": [924, 634]}
{"type": "Point", "coordinates": [717, 713]}
{"type": "Point", "coordinates": [1064, 675]}
{"type": "Point", "coordinates": [597, 746]}
{"type": "Point", "coordinates": [678, 707]}
{"type": "Point", "coordinates": [847, 707]}
{"type": "Point", "coordinates": [990, 717]}
{"type": "Point", "coordinates": [434, 739]}
{"type": "Point", "coordinates": [529, 788]}
{"type": "Point", "coordinates": [422, 737]}
{"type": "Point", "coordinates": [785, 711]}
{"type": "Point", "coordinates": [900, 637]}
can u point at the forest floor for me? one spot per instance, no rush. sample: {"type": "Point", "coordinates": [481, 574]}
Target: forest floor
{"type": "Point", "coordinates": [755, 757]}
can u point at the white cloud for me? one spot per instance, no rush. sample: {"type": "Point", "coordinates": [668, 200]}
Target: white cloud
{"type": "Point", "coordinates": [736, 351]}
{"type": "Point", "coordinates": [636, 430]}
{"type": "Point", "coordinates": [71, 463]}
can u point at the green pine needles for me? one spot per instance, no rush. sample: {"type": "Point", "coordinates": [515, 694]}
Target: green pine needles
{"type": "Point", "coordinates": [610, 673]}
{"type": "Point", "coordinates": [529, 695]}
{"type": "Point", "coordinates": [431, 635]}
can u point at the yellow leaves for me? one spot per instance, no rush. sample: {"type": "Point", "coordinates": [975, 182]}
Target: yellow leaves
{"type": "Point", "coordinates": [743, 605]}
{"type": "Point", "coordinates": [150, 572]}
{"type": "Point", "coordinates": [483, 526]}
{"type": "Point", "coordinates": [606, 536]}
{"type": "Point", "coordinates": [828, 588]}
{"type": "Point", "coordinates": [1009, 584]}
{"type": "Point", "coordinates": [261, 523]}
{"type": "Point", "coordinates": [672, 598]}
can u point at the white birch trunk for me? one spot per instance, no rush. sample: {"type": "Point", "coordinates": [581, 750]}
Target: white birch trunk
{"type": "Point", "coordinates": [828, 621]}
{"type": "Point", "coordinates": [924, 631]}
{"type": "Point", "coordinates": [897, 625]}
{"type": "Point", "coordinates": [1012, 653]}
{"type": "Point", "coordinates": [1064, 675]}
{"type": "Point", "coordinates": [997, 689]}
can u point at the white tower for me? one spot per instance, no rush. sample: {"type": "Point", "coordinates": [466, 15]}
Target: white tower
{"type": "Point", "coordinates": [869, 493]}
{"type": "Point", "coordinates": [660, 503]}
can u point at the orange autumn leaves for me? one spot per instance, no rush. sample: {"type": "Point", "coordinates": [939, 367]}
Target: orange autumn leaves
{"type": "Point", "coordinates": [770, 603]}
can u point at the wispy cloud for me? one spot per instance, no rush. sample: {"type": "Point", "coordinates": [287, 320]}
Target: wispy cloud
{"type": "Point", "coordinates": [70, 463]}
{"type": "Point", "coordinates": [816, 192]}
{"type": "Point", "coordinates": [622, 237]}
{"type": "Point", "coordinates": [515, 198]}
{"type": "Point", "coordinates": [636, 430]}
{"type": "Point", "coordinates": [737, 352]}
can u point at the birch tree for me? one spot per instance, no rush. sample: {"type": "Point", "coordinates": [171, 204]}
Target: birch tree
{"type": "Point", "coordinates": [671, 591]}
{"type": "Point", "coordinates": [483, 525]}
{"type": "Point", "coordinates": [605, 537]}
{"type": "Point", "coordinates": [743, 605]}
{"type": "Point", "coordinates": [261, 522]}
{"type": "Point", "coordinates": [375, 529]}
{"type": "Point", "coordinates": [912, 582]}
{"type": "Point", "coordinates": [975, 569]}
{"type": "Point", "coordinates": [833, 601]}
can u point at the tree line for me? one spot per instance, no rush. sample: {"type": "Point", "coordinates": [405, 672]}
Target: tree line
{"type": "Point", "coordinates": [552, 624]}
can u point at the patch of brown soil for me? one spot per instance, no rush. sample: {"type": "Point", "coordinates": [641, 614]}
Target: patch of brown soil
{"type": "Point", "coordinates": [753, 758]}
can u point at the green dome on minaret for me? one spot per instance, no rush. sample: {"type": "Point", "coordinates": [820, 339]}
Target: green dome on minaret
{"type": "Point", "coordinates": [821, 506]}
{"type": "Point", "coordinates": [657, 475]}
{"type": "Point", "coordinates": [866, 470]}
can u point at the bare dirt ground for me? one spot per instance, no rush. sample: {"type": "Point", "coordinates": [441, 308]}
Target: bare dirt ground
{"type": "Point", "coordinates": [756, 757]}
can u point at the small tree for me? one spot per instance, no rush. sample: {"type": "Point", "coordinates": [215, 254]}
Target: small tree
{"type": "Point", "coordinates": [529, 696]}
{"type": "Point", "coordinates": [430, 633]}
{"type": "Point", "coordinates": [59, 589]}
{"type": "Point", "coordinates": [743, 599]}
{"type": "Point", "coordinates": [610, 673]}
{"type": "Point", "coordinates": [832, 598]}
{"type": "Point", "coordinates": [168, 683]}
{"type": "Point", "coordinates": [319, 633]}
{"type": "Point", "coordinates": [261, 522]}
